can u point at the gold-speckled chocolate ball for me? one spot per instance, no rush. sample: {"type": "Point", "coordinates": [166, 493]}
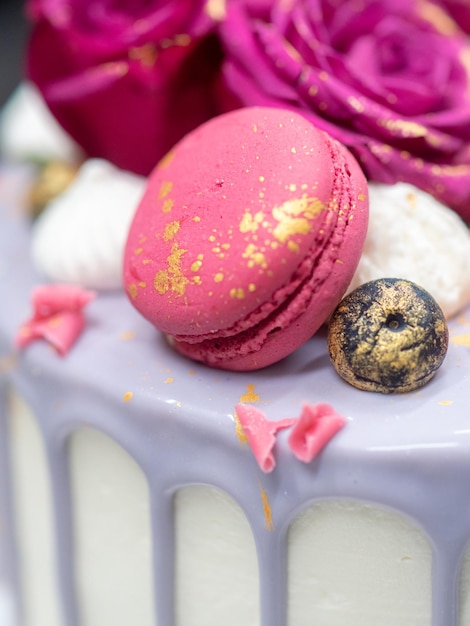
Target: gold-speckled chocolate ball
{"type": "Point", "coordinates": [388, 335]}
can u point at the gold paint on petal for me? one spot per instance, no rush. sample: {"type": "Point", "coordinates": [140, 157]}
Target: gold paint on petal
{"type": "Point", "coordinates": [438, 18]}
{"type": "Point", "coordinates": [451, 170]}
{"type": "Point", "coordinates": [216, 9]}
{"type": "Point", "coordinates": [116, 68]}
{"type": "Point", "coordinates": [356, 104]}
{"type": "Point", "coordinates": [313, 90]}
{"type": "Point", "coordinates": [146, 54]}
{"type": "Point", "coordinates": [404, 128]}
{"type": "Point", "coordinates": [182, 40]}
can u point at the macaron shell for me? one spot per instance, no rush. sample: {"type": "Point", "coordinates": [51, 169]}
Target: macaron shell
{"type": "Point", "coordinates": [234, 224]}
{"type": "Point", "coordinates": [294, 323]}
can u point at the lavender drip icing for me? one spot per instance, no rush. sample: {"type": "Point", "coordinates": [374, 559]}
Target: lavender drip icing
{"type": "Point", "coordinates": [404, 452]}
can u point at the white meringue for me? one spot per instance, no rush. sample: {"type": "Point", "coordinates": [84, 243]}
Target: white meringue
{"type": "Point", "coordinates": [80, 236]}
{"type": "Point", "coordinates": [29, 131]}
{"type": "Point", "coordinates": [411, 235]}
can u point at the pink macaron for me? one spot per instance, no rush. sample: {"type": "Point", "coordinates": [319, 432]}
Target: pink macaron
{"type": "Point", "coordinates": [247, 237]}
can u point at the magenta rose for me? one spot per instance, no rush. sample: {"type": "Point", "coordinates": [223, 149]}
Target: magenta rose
{"type": "Point", "coordinates": [126, 78]}
{"type": "Point", "coordinates": [389, 79]}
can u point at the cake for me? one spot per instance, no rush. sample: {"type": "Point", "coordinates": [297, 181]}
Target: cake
{"type": "Point", "coordinates": [129, 492]}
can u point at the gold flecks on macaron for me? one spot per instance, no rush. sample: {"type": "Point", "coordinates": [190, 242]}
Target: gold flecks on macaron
{"type": "Point", "coordinates": [237, 293]}
{"type": "Point", "coordinates": [446, 402]}
{"type": "Point", "coordinates": [196, 266]}
{"type": "Point", "coordinates": [128, 396]}
{"type": "Point", "coordinates": [218, 278]}
{"type": "Point", "coordinates": [294, 217]}
{"type": "Point", "coordinates": [254, 256]}
{"type": "Point", "coordinates": [171, 229]}
{"type": "Point", "coordinates": [132, 290]}
{"type": "Point", "coordinates": [165, 189]}
{"type": "Point", "coordinates": [166, 159]}
{"type": "Point", "coordinates": [172, 279]}
{"type": "Point", "coordinates": [250, 223]}
{"type": "Point", "coordinates": [167, 205]}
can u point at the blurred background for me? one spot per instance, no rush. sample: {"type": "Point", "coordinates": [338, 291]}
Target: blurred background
{"type": "Point", "coordinates": [13, 30]}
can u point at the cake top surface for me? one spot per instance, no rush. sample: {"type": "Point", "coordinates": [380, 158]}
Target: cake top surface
{"type": "Point", "coordinates": [150, 373]}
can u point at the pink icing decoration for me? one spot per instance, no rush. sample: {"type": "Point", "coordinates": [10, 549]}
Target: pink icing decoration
{"type": "Point", "coordinates": [313, 430]}
{"type": "Point", "coordinates": [261, 433]}
{"type": "Point", "coordinates": [57, 316]}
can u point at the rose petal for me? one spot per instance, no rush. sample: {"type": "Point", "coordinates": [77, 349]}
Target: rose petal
{"type": "Point", "coordinates": [313, 430]}
{"type": "Point", "coordinates": [390, 81]}
{"type": "Point", "coordinates": [126, 83]}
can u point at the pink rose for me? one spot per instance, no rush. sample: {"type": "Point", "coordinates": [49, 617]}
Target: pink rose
{"type": "Point", "coordinates": [390, 80]}
{"type": "Point", "coordinates": [126, 79]}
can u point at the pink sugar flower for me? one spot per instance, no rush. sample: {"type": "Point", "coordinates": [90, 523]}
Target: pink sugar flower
{"type": "Point", "coordinates": [57, 316]}
{"type": "Point", "coordinates": [313, 430]}
{"type": "Point", "coordinates": [261, 433]}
